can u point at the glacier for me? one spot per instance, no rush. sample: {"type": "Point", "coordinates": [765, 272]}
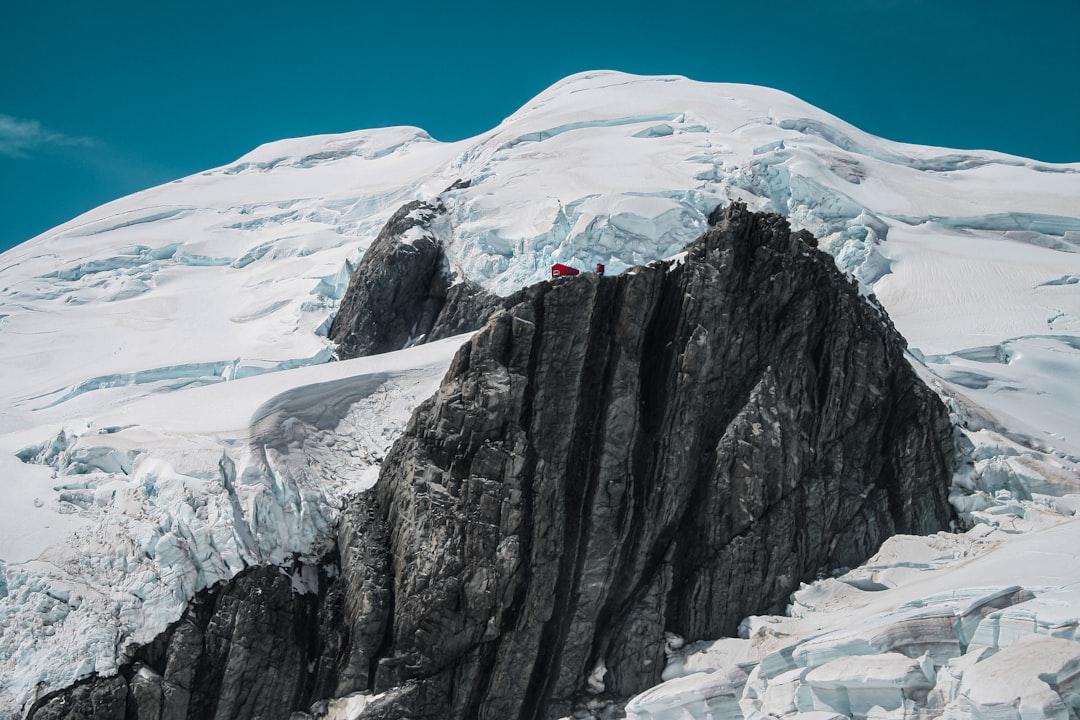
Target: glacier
{"type": "Point", "coordinates": [169, 416]}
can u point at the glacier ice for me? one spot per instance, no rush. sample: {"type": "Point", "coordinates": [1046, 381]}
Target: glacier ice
{"type": "Point", "coordinates": [953, 653]}
{"type": "Point", "coordinates": [173, 513]}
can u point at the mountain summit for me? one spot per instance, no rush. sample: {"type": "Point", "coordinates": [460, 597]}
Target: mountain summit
{"type": "Point", "coordinates": [170, 418]}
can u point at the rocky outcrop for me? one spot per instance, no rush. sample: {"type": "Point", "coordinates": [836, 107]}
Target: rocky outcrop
{"type": "Point", "coordinates": [101, 699]}
{"type": "Point", "coordinates": [402, 291]}
{"type": "Point", "coordinates": [609, 459]}
{"type": "Point", "coordinates": [613, 458]}
{"type": "Point", "coordinates": [254, 647]}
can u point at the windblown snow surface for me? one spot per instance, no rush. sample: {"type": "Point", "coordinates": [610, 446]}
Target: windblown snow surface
{"type": "Point", "coordinates": [169, 415]}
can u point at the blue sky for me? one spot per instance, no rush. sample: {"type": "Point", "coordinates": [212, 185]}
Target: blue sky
{"type": "Point", "coordinates": [98, 100]}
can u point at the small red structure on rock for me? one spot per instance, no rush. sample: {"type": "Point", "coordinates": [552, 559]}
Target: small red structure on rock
{"type": "Point", "coordinates": [560, 270]}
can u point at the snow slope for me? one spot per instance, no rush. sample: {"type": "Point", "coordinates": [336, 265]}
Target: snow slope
{"type": "Point", "coordinates": [167, 414]}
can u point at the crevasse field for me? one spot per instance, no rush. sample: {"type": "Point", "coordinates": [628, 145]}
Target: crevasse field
{"type": "Point", "coordinates": [168, 414]}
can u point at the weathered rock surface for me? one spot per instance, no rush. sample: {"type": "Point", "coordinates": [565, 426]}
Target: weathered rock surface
{"type": "Point", "coordinates": [251, 648]}
{"type": "Point", "coordinates": [607, 460]}
{"type": "Point", "coordinates": [103, 699]}
{"type": "Point", "coordinates": [612, 458]}
{"type": "Point", "coordinates": [402, 291]}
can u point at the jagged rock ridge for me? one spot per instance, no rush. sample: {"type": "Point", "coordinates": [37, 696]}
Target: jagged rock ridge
{"type": "Point", "coordinates": [607, 460]}
{"type": "Point", "coordinates": [610, 459]}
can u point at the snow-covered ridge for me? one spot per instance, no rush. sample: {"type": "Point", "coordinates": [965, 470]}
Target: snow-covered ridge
{"type": "Point", "coordinates": [602, 167]}
{"type": "Point", "coordinates": [140, 338]}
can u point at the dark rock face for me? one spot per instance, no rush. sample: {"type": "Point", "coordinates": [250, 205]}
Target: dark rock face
{"type": "Point", "coordinates": [401, 292]}
{"type": "Point", "coordinates": [612, 458]}
{"type": "Point", "coordinates": [104, 699]}
{"type": "Point", "coordinates": [607, 460]}
{"type": "Point", "coordinates": [251, 648]}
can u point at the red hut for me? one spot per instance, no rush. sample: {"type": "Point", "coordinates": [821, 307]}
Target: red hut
{"type": "Point", "coordinates": [560, 270]}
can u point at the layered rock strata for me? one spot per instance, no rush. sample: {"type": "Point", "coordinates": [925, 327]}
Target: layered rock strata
{"type": "Point", "coordinates": [609, 459]}
{"type": "Point", "coordinates": [613, 458]}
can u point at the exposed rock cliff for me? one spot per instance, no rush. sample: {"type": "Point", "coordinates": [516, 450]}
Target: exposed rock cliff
{"type": "Point", "coordinates": [250, 648]}
{"type": "Point", "coordinates": [607, 460]}
{"type": "Point", "coordinates": [402, 291]}
{"type": "Point", "coordinates": [612, 458]}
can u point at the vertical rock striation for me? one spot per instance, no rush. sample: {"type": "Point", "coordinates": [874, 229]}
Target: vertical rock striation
{"type": "Point", "coordinates": [610, 459]}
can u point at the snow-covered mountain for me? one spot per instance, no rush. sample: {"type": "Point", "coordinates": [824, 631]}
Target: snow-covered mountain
{"type": "Point", "coordinates": [169, 416]}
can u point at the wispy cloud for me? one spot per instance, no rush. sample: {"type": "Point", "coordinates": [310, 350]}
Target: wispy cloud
{"type": "Point", "coordinates": [19, 137]}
